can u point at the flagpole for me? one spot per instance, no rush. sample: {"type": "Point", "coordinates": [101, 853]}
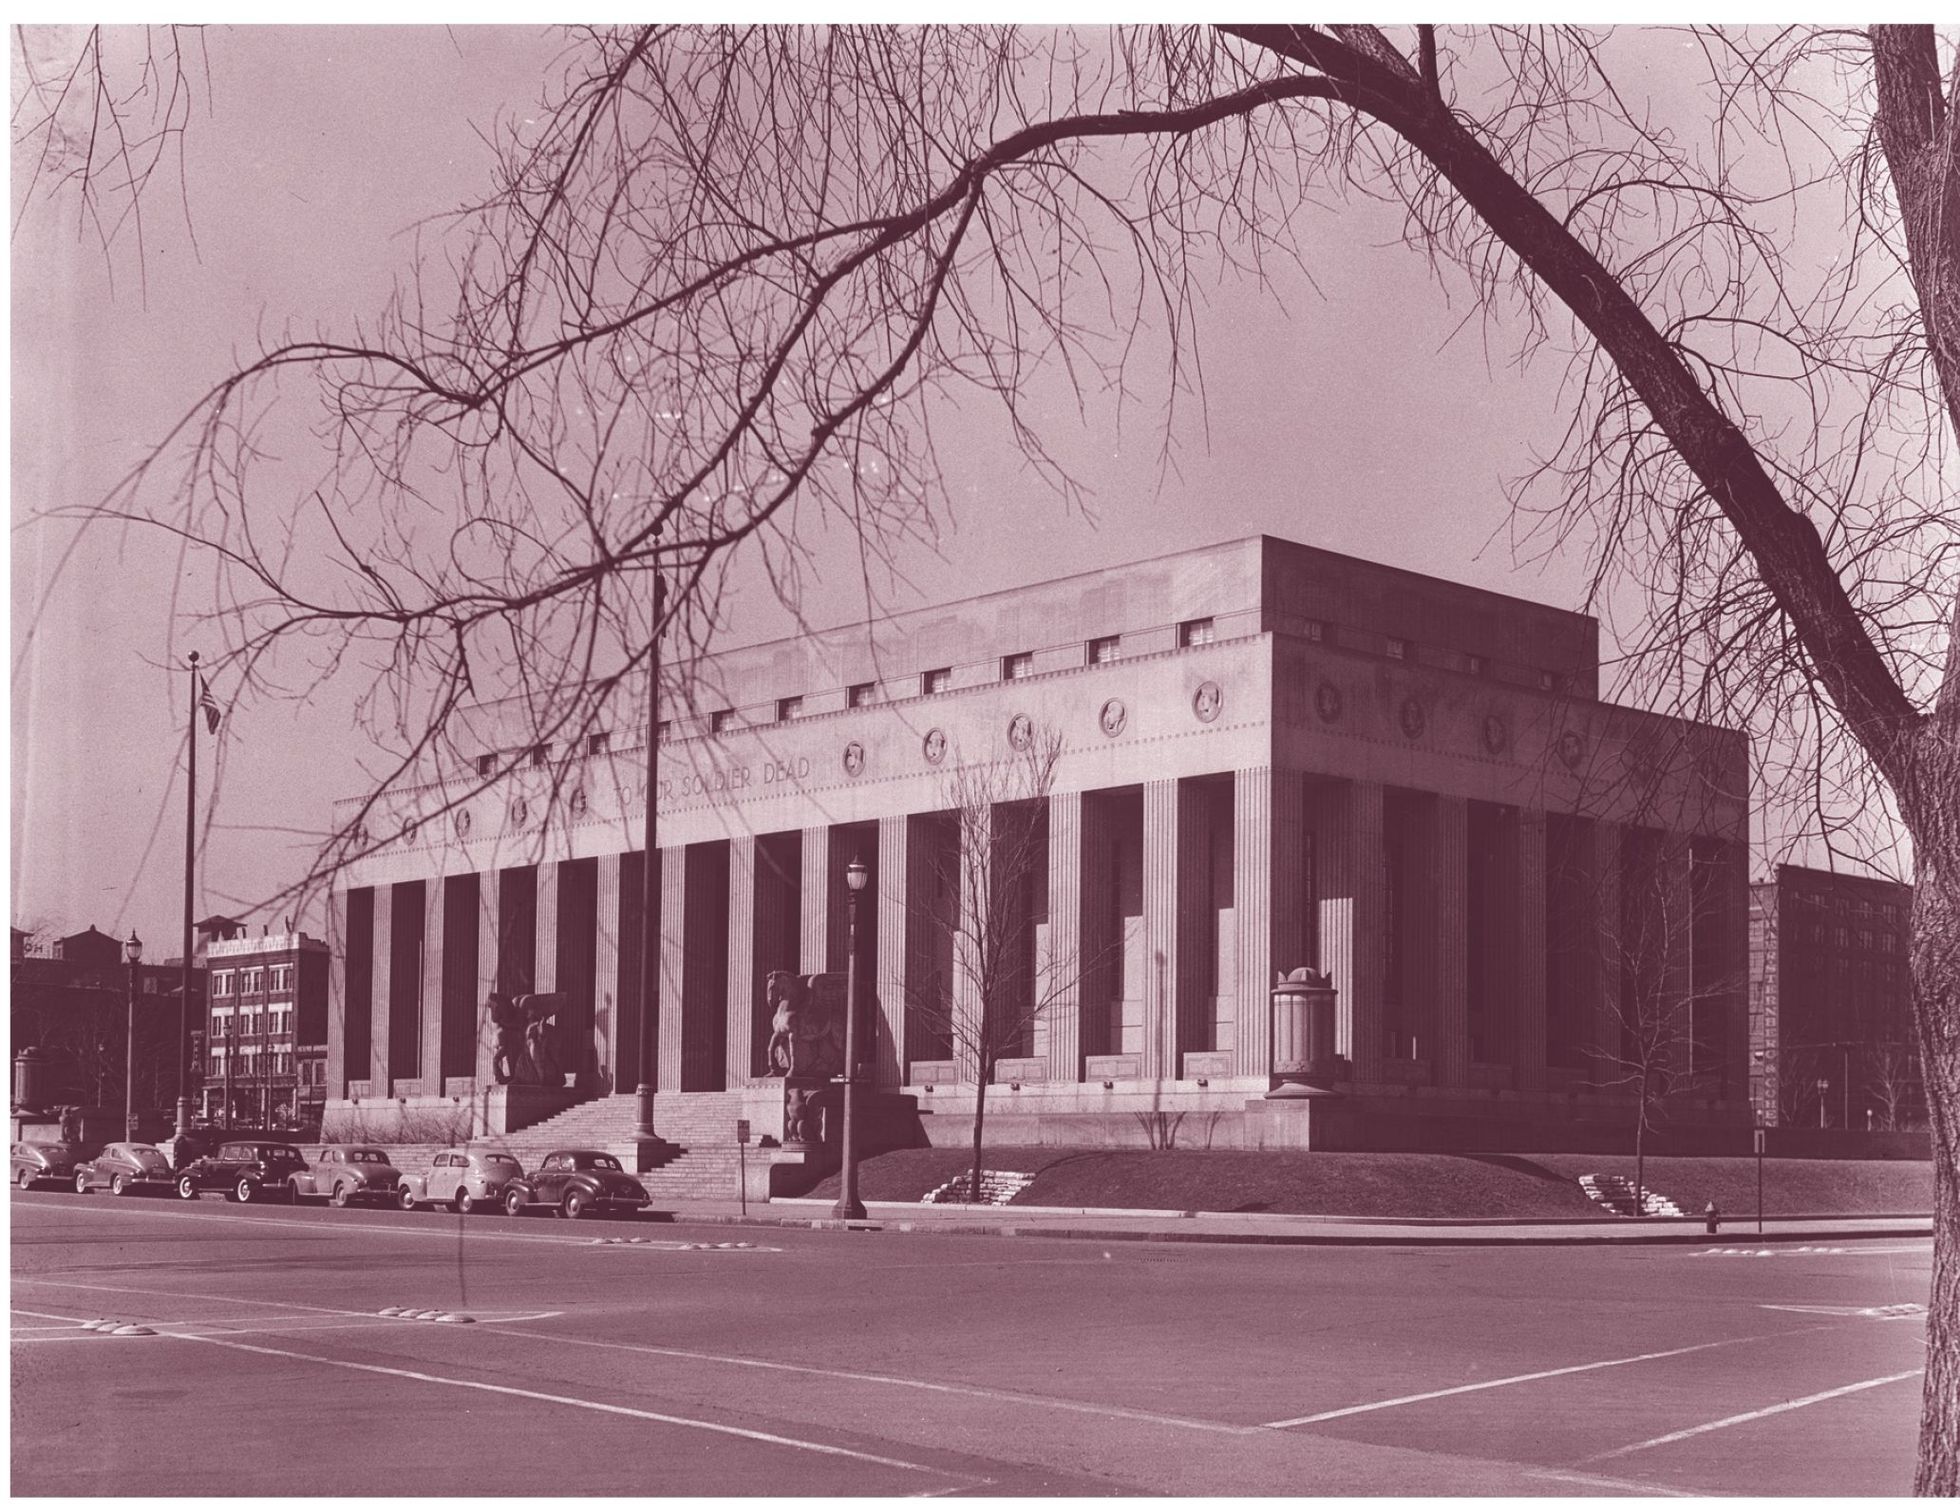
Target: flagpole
{"type": "Point", "coordinates": [190, 858]}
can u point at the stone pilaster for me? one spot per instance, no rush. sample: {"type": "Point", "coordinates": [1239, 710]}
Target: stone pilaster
{"type": "Point", "coordinates": [744, 966]}
{"type": "Point", "coordinates": [1060, 977]}
{"type": "Point", "coordinates": [967, 1007]}
{"type": "Point", "coordinates": [815, 922]}
{"type": "Point", "coordinates": [546, 970]}
{"type": "Point", "coordinates": [434, 897]}
{"type": "Point", "coordinates": [384, 966]}
{"type": "Point", "coordinates": [1163, 837]}
{"type": "Point", "coordinates": [904, 895]}
{"type": "Point", "coordinates": [489, 925]}
{"type": "Point", "coordinates": [1450, 855]}
{"type": "Point", "coordinates": [1528, 980]}
{"type": "Point", "coordinates": [336, 998]}
{"type": "Point", "coordinates": [672, 902]}
{"type": "Point", "coordinates": [605, 970]}
{"type": "Point", "coordinates": [1606, 923]}
{"type": "Point", "coordinates": [1269, 899]}
{"type": "Point", "coordinates": [1351, 888]}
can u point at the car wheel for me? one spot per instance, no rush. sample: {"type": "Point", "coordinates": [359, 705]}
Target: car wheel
{"type": "Point", "coordinates": [187, 1188]}
{"type": "Point", "coordinates": [339, 1196]}
{"type": "Point", "coordinates": [245, 1191]}
{"type": "Point", "coordinates": [81, 1184]}
{"type": "Point", "coordinates": [514, 1203]}
{"type": "Point", "coordinates": [119, 1184]}
{"type": "Point", "coordinates": [465, 1203]}
{"type": "Point", "coordinates": [25, 1177]}
{"type": "Point", "coordinates": [575, 1203]}
{"type": "Point", "coordinates": [405, 1199]}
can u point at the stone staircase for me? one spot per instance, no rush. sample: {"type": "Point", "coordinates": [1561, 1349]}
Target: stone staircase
{"type": "Point", "coordinates": [997, 1187]}
{"type": "Point", "coordinates": [704, 1163]}
{"type": "Point", "coordinates": [1615, 1193]}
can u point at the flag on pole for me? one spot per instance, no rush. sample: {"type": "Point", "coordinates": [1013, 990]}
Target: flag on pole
{"type": "Point", "coordinates": [210, 706]}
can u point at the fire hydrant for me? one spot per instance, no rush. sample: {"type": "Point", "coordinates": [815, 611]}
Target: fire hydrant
{"type": "Point", "coordinates": [1713, 1214]}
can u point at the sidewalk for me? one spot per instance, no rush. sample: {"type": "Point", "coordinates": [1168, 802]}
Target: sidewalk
{"type": "Point", "coordinates": [1282, 1228]}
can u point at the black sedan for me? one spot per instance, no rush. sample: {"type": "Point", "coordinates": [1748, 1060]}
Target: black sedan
{"type": "Point", "coordinates": [574, 1182]}
{"type": "Point", "coordinates": [245, 1170]}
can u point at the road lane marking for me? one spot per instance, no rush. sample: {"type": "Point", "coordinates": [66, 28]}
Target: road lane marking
{"type": "Point", "coordinates": [1541, 1374]}
{"type": "Point", "coordinates": [1753, 1416]}
{"type": "Point", "coordinates": [1606, 1482]}
{"type": "Point", "coordinates": [754, 1435]}
{"type": "Point", "coordinates": [937, 1387]}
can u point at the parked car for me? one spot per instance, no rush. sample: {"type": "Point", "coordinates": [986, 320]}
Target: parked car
{"type": "Point", "coordinates": [125, 1169]}
{"type": "Point", "coordinates": [245, 1170]}
{"type": "Point", "coordinates": [34, 1162]}
{"type": "Point", "coordinates": [347, 1173]}
{"type": "Point", "coordinates": [576, 1181]}
{"type": "Point", "coordinates": [469, 1180]}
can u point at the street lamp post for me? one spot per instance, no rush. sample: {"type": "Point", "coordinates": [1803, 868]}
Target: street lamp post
{"type": "Point", "coordinates": [132, 957]}
{"type": "Point", "coordinates": [643, 1132]}
{"type": "Point", "coordinates": [848, 1206]}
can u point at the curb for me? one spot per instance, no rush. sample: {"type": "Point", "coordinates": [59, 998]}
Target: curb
{"type": "Point", "coordinates": [897, 1209]}
{"type": "Point", "coordinates": [1010, 1229]}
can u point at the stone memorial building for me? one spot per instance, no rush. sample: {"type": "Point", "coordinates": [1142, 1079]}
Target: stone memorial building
{"type": "Point", "coordinates": [1266, 756]}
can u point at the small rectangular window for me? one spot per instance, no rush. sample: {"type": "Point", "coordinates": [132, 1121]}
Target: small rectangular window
{"type": "Point", "coordinates": [664, 731]}
{"type": "Point", "coordinates": [486, 765]}
{"type": "Point", "coordinates": [1546, 682]}
{"type": "Point", "coordinates": [1313, 629]}
{"type": "Point", "coordinates": [596, 744]}
{"type": "Point", "coordinates": [936, 680]}
{"type": "Point", "coordinates": [1397, 649]}
{"type": "Point", "coordinates": [1196, 632]}
{"type": "Point", "coordinates": [1474, 665]}
{"type": "Point", "coordinates": [1105, 649]}
{"type": "Point", "coordinates": [1013, 668]}
{"type": "Point", "coordinates": [787, 709]}
{"type": "Point", "coordinates": [540, 754]}
{"type": "Point", "coordinates": [863, 694]}
{"type": "Point", "coordinates": [718, 721]}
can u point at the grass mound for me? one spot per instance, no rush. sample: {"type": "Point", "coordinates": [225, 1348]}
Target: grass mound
{"type": "Point", "coordinates": [1398, 1185]}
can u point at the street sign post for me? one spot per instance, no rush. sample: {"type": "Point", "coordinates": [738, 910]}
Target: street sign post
{"type": "Point", "coordinates": [742, 1160]}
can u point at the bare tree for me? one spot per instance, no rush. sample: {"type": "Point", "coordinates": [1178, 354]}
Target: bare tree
{"type": "Point", "coordinates": [724, 283]}
{"type": "Point", "coordinates": [1892, 1081]}
{"type": "Point", "coordinates": [1002, 979]}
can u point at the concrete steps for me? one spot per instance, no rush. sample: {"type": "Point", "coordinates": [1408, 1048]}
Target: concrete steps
{"type": "Point", "coordinates": [1616, 1194]}
{"type": "Point", "coordinates": [704, 1164]}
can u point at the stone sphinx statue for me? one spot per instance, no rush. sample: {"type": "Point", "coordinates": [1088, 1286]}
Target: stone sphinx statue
{"type": "Point", "coordinates": [806, 1039]}
{"type": "Point", "coordinates": [524, 1056]}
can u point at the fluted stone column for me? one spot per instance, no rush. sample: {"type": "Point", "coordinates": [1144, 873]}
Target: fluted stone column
{"type": "Point", "coordinates": [1269, 899]}
{"type": "Point", "coordinates": [1352, 908]}
{"type": "Point", "coordinates": [1606, 924]}
{"type": "Point", "coordinates": [336, 996]}
{"type": "Point", "coordinates": [815, 930]}
{"type": "Point", "coordinates": [1450, 855]}
{"type": "Point", "coordinates": [545, 972]}
{"type": "Point", "coordinates": [605, 970]}
{"type": "Point", "coordinates": [1162, 834]}
{"type": "Point", "coordinates": [384, 966]}
{"type": "Point", "coordinates": [903, 886]}
{"type": "Point", "coordinates": [744, 966]}
{"type": "Point", "coordinates": [488, 962]}
{"type": "Point", "coordinates": [672, 901]}
{"type": "Point", "coordinates": [1528, 1010]}
{"type": "Point", "coordinates": [965, 986]}
{"type": "Point", "coordinates": [434, 893]}
{"type": "Point", "coordinates": [1065, 964]}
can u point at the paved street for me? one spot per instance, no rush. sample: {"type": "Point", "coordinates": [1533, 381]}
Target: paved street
{"type": "Point", "coordinates": [905, 1363]}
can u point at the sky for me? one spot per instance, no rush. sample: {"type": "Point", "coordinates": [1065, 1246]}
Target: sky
{"type": "Point", "coordinates": [1353, 411]}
